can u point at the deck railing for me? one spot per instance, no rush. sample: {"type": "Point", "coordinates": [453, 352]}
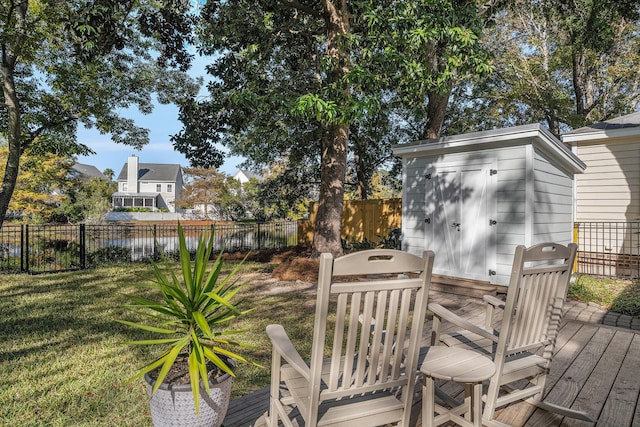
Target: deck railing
{"type": "Point", "coordinates": [609, 249]}
{"type": "Point", "coordinates": [49, 248]}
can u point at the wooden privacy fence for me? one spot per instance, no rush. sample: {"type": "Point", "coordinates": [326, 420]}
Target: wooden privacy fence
{"type": "Point", "coordinates": [372, 220]}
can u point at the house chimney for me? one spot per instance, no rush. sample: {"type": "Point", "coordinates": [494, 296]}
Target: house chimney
{"type": "Point", "coordinates": [132, 174]}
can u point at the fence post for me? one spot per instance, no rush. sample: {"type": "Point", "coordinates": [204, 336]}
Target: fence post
{"type": "Point", "coordinates": [26, 245]}
{"type": "Point", "coordinates": [22, 247]}
{"type": "Point", "coordinates": [576, 240]}
{"type": "Point", "coordinates": [155, 242]}
{"type": "Point", "coordinates": [259, 237]}
{"type": "Point", "coordinates": [83, 249]}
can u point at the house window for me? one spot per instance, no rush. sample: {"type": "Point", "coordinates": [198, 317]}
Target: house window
{"type": "Point", "coordinates": [158, 187]}
{"type": "Point", "coordinates": [169, 188]}
{"type": "Point", "coordinates": [124, 186]}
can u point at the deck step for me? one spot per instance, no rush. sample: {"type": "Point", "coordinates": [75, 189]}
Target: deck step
{"type": "Point", "coordinates": [460, 286]}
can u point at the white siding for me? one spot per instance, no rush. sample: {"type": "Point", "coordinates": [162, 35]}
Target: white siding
{"type": "Point", "coordinates": [413, 205]}
{"type": "Point", "coordinates": [609, 190]}
{"type": "Point", "coordinates": [552, 207]}
{"type": "Point", "coordinates": [533, 200]}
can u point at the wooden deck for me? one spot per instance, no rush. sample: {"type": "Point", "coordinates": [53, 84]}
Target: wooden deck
{"type": "Point", "coordinates": [596, 369]}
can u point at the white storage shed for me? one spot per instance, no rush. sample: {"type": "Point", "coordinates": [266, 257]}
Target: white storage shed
{"type": "Point", "coordinates": [473, 198]}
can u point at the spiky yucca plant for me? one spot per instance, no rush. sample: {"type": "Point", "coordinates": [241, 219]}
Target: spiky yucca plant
{"type": "Point", "coordinates": [188, 317]}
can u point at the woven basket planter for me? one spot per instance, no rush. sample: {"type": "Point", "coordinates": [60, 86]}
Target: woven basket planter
{"type": "Point", "coordinates": [173, 406]}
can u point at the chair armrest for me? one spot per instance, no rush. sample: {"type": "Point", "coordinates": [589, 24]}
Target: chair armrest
{"type": "Point", "coordinates": [492, 304]}
{"type": "Point", "coordinates": [282, 344]}
{"type": "Point", "coordinates": [442, 313]}
{"type": "Point", "coordinates": [496, 302]}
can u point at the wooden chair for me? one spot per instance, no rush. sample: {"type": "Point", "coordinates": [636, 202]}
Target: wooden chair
{"type": "Point", "coordinates": [523, 347]}
{"type": "Point", "coordinates": [368, 379]}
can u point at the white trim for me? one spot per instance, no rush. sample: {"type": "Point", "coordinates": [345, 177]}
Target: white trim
{"type": "Point", "coordinates": [529, 195]}
{"type": "Point", "coordinates": [517, 135]}
{"type": "Point", "coordinates": [600, 134]}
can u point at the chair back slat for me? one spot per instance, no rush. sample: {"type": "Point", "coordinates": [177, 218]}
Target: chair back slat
{"type": "Point", "coordinates": [539, 284]}
{"type": "Point", "coordinates": [369, 320]}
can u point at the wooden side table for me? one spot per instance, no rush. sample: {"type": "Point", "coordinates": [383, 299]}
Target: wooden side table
{"type": "Point", "coordinates": [464, 367]}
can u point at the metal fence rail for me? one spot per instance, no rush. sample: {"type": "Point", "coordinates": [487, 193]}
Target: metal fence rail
{"type": "Point", "coordinates": [49, 248]}
{"type": "Point", "coordinates": [609, 249]}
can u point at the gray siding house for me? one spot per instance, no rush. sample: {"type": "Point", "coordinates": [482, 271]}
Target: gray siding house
{"type": "Point", "coordinates": [148, 185]}
{"type": "Point", "coordinates": [473, 198]}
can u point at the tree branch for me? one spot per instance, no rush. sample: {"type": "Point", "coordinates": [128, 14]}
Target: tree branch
{"type": "Point", "coordinates": [293, 4]}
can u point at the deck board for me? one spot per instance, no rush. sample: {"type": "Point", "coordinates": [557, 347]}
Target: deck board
{"type": "Point", "coordinates": [595, 368]}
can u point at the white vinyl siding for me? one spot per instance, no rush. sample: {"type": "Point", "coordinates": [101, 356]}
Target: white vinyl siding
{"type": "Point", "coordinates": [531, 181]}
{"type": "Point", "coordinates": [413, 204]}
{"type": "Point", "coordinates": [553, 203]}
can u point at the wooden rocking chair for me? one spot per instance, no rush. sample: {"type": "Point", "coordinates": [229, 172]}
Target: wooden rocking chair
{"type": "Point", "coordinates": [368, 380]}
{"type": "Point", "coordinates": [523, 347]}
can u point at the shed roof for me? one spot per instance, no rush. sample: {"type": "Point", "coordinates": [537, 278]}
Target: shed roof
{"type": "Point", "coordinates": [153, 172]}
{"type": "Point", "coordinates": [620, 126]}
{"type": "Point", "coordinates": [534, 134]}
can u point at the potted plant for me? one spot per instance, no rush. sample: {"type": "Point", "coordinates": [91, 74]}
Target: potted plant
{"type": "Point", "coordinates": [190, 382]}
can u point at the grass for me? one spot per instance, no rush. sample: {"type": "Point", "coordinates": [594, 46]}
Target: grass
{"type": "Point", "coordinates": [62, 357]}
{"type": "Point", "coordinates": [620, 296]}
{"type": "Point", "coordinates": [63, 361]}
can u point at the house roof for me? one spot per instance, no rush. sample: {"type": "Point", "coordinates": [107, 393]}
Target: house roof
{"type": "Point", "coordinates": [534, 134]}
{"type": "Point", "coordinates": [153, 172]}
{"type": "Point", "coordinates": [620, 126]}
{"type": "Point", "coordinates": [86, 172]}
{"type": "Point", "coordinates": [248, 174]}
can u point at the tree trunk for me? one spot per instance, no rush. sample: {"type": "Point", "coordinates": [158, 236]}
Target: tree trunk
{"type": "Point", "coordinates": [13, 139]}
{"type": "Point", "coordinates": [332, 176]}
{"type": "Point", "coordinates": [363, 187]}
{"type": "Point", "coordinates": [12, 103]}
{"type": "Point", "coordinates": [333, 162]}
{"type": "Point", "coordinates": [438, 100]}
{"type": "Point", "coordinates": [436, 110]}
{"type": "Point", "coordinates": [578, 78]}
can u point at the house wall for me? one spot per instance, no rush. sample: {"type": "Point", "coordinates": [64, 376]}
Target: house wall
{"type": "Point", "coordinates": [553, 203]}
{"type": "Point", "coordinates": [609, 189]}
{"type": "Point", "coordinates": [166, 198]}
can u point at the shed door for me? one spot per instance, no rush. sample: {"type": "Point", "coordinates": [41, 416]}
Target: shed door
{"type": "Point", "coordinates": [460, 204]}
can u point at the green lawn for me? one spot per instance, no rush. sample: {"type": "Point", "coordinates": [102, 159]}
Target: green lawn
{"type": "Point", "coordinates": [62, 361]}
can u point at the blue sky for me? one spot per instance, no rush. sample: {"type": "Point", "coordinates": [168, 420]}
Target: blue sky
{"type": "Point", "coordinates": [162, 123]}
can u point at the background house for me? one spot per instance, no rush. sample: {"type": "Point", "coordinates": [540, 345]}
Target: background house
{"type": "Point", "coordinates": [148, 185]}
{"type": "Point", "coordinates": [608, 196]}
{"type": "Point", "coordinates": [609, 190]}
{"type": "Point", "coordinates": [244, 176]}
{"type": "Point", "coordinates": [473, 198]}
{"type": "Point", "coordinates": [86, 172]}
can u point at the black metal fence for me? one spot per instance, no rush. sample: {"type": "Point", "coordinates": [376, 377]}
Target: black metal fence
{"type": "Point", "coordinates": [609, 249]}
{"type": "Point", "coordinates": [50, 248]}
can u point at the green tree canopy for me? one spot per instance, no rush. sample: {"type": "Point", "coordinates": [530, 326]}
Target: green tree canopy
{"type": "Point", "coordinates": [85, 62]}
{"type": "Point", "coordinates": [566, 63]}
{"type": "Point", "coordinates": [292, 80]}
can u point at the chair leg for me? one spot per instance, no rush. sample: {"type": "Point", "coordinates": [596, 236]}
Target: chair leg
{"type": "Point", "coordinates": [476, 404]}
{"type": "Point", "coordinates": [428, 396]}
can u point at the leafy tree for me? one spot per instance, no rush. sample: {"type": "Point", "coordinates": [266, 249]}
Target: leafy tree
{"type": "Point", "coordinates": [292, 79]}
{"type": "Point", "coordinates": [42, 185]}
{"type": "Point", "coordinates": [286, 193]}
{"type": "Point", "coordinates": [567, 63]}
{"type": "Point", "coordinates": [203, 191]}
{"type": "Point", "coordinates": [84, 61]}
{"type": "Point", "coordinates": [423, 49]}
{"type": "Point", "coordinates": [87, 201]}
